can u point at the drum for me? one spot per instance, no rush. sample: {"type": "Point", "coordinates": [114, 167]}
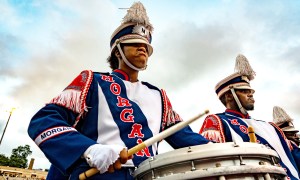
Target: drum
{"type": "Point", "coordinates": [214, 161]}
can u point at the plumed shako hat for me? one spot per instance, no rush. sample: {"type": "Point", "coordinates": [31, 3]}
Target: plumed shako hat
{"type": "Point", "coordinates": [282, 119]}
{"type": "Point", "coordinates": [238, 80]}
{"type": "Point", "coordinates": [135, 28]}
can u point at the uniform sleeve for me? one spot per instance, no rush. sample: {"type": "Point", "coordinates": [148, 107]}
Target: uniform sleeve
{"type": "Point", "coordinates": [55, 173]}
{"type": "Point", "coordinates": [62, 144]}
{"type": "Point", "coordinates": [212, 129]}
{"type": "Point", "coordinates": [53, 130]}
{"type": "Point", "coordinates": [186, 137]}
{"type": "Point", "coordinates": [169, 116]}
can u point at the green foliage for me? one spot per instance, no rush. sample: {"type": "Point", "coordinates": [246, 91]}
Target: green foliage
{"type": "Point", "coordinates": [4, 161]}
{"type": "Point", "coordinates": [18, 158]}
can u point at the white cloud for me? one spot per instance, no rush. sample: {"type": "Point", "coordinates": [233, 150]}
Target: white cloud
{"type": "Point", "coordinates": [194, 48]}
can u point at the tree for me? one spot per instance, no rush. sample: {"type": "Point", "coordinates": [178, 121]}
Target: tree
{"type": "Point", "coordinates": [19, 156]}
{"type": "Point", "coordinates": [4, 161]}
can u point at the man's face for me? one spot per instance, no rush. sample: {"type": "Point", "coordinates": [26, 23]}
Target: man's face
{"type": "Point", "coordinates": [246, 98]}
{"type": "Point", "coordinates": [292, 135]}
{"type": "Point", "coordinates": [136, 54]}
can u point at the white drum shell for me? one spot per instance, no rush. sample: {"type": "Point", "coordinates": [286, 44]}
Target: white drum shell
{"type": "Point", "coordinates": [214, 161]}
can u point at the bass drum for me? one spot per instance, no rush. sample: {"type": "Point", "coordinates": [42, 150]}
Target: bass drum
{"type": "Point", "coordinates": [214, 161]}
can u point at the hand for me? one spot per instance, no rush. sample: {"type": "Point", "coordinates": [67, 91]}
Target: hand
{"type": "Point", "coordinates": [121, 160]}
{"type": "Point", "coordinates": [102, 156]}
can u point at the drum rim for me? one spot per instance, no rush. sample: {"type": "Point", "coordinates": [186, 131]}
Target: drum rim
{"type": "Point", "coordinates": [223, 171]}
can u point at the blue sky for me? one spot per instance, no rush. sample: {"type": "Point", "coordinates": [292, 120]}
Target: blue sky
{"type": "Point", "coordinates": [45, 44]}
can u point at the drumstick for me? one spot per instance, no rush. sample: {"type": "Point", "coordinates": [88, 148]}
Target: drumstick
{"type": "Point", "coordinates": [149, 142]}
{"type": "Point", "coordinates": [251, 134]}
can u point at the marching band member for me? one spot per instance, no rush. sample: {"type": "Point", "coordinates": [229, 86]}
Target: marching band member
{"type": "Point", "coordinates": [99, 115]}
{"type": "Point", "coordinates": [285, 123]}
{"type": "Point", "coordinates": [236, 95]}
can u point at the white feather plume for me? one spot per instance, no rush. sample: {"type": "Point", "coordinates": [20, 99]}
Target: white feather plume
{"type": "Point", "coordinates": [243, 67]}
{"type": "Point", "coordinates": [280, 116]}
{"type": "Point", "coordinates": [137, 14]}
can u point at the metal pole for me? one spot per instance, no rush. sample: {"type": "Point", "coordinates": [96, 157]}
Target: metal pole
{"type": "Point", "coordinates": [11, 111]}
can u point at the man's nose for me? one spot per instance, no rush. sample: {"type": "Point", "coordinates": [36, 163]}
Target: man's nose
{"type": "Point", "coordinates": [143, 48]}
{"type": "Point", "coordinates": [250, 95]}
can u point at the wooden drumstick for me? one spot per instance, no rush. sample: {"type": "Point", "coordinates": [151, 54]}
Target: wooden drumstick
{"type": "Point", "coordinates": [251, 134]}
{"type": "Point", "coordinates": [149, 142]}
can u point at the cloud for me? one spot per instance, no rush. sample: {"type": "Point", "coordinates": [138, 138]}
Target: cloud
{"type": "Point", "coordinates": [57, 58]}
{"type": "Point", "coordinates": [194, 47]}
{"type": "Point", "coordinates": [58, 47]}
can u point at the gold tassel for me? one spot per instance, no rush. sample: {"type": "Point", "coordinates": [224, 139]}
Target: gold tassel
{"type": "Point", "coordinates": [251, 134]}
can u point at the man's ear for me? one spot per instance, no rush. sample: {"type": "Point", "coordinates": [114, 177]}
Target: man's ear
{"type": "Point", "coordinates": [117, 54]}
{"type": "Point", "coordinates": [228, 96]}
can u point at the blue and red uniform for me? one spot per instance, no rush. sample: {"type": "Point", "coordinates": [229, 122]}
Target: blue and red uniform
{"type": "Point", "coordinates": [105, 108]}
{"type": "Point", "coordinates": [232, 126]}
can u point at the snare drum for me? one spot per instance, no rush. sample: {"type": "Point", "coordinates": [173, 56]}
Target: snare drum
{"type": "Point", "coordinates": [214, 161]}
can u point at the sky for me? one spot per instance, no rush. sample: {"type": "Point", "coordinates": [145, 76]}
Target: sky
{"type": "Point", "coordinates": [45, 44]}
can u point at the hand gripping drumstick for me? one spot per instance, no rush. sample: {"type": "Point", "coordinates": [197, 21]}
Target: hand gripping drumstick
{"type": "Point", "coordinates": [251, 134]}
{"type": "Point", "coordinates": [149, 142]}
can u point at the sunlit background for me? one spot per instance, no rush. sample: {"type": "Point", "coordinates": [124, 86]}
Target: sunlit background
{"type": "Point", "coordinates": [45, 44]}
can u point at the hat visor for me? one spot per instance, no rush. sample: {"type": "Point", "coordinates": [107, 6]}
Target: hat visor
{"type": "Point", "coordinates": [244, 87]}
{"type": "Point", "coordinates": [290, 128]}
{"type": "Point", "coordinates": [130, 41]}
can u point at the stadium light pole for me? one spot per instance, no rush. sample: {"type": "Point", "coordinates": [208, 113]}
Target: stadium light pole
{"type": "Point", "coordinates": [11, 111]}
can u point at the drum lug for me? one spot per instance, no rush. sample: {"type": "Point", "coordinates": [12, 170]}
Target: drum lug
{"type": "Point", "coordinates": [153, 174]}
{"type": "Point", "coordinates": [273, 161]}
{"type": "Point", "coordinates": [192, 162]}
{"type": "Point", "coordinates": [152, 171]}
{"type": "Point", "coordinates": [193, 166]}
{"type": "Point", "coordinates": [241, 160]}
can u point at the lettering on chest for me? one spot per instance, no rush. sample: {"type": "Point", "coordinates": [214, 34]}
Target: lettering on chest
{"type": "Point", "coordinates": [127, 114]}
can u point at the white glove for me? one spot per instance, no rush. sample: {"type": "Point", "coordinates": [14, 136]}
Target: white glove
{"type": "Point", "coordinates": [102, 156]}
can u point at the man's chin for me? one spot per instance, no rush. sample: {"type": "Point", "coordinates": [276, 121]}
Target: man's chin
{"type": "Point", "coordinates": [249, 108]}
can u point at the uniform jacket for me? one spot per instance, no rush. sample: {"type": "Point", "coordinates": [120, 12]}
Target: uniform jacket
{"type": "Point", "coordinates": [105, 108]}
{"type": "Point", "coordinates": [232, 126]}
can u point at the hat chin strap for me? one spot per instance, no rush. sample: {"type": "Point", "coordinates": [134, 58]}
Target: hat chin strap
{"type": "Point", "coordinates": [127, 62]}
{"type": "Point", "coordinates": [242, 109]}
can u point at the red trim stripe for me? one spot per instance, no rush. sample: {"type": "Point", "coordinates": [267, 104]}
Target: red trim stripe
{"type": "Point", "coordinates": [123, 73]}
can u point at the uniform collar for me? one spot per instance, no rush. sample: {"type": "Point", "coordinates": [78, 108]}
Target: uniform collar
{"type": "Point", "coordinates": [238, 114]}
{"type": "Point", "coordinates": [121, 74]}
